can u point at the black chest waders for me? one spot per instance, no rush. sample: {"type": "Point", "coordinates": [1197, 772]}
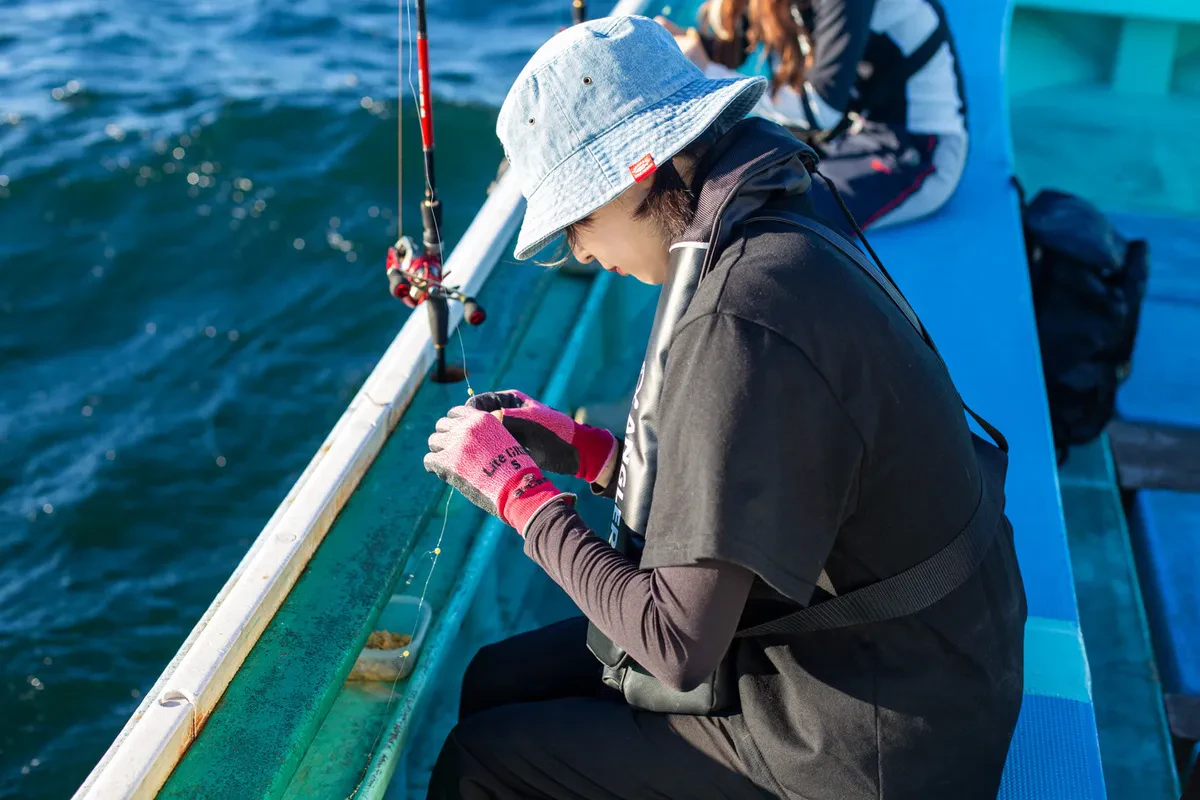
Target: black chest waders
{"type": "Point", "coordinates": [745, 174]}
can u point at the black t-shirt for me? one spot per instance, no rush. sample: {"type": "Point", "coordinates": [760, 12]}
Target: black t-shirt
{"type": "Point", "coordinates": [806, 428]}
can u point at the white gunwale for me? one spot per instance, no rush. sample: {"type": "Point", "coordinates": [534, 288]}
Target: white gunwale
{"type": "Point", "coordinates": [143, 755]}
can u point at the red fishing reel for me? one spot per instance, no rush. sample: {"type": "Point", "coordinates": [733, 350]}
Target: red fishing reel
{"type": "Point", "coordinates": [414, 278]}
{"type": "Point", "coordinates": [411, 276]}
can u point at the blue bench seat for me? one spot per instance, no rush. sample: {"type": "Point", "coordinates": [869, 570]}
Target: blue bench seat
{"type": "Point", "coordinates": [964, 270]}
{"type": "Point", "coordinates": [1166, 534]}
{"type": "Point", "coordinates": [1164, 386]}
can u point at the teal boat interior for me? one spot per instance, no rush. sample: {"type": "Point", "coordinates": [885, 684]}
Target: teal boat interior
{"type": "Point", "coordinates": [1103, 97]}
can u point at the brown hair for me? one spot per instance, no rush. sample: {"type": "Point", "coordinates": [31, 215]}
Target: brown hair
{"type": "Point", "coordinates": [770, 23]}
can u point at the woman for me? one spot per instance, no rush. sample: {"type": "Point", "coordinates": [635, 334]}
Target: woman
{"type": "Point", "coordinates": [794, 442]}
{"type": "Point", "coordinates": [873, 84]}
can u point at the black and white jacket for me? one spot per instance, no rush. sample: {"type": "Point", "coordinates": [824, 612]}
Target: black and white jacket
{"type": "Point", "coordinates": [890, 61]}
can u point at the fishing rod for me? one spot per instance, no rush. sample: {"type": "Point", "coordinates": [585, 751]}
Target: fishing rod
{"type": "Point", "coordinates": [416, 277]}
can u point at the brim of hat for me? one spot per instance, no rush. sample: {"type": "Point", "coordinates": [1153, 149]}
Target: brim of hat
{"type": "Point", "coordinates": [662, 130]}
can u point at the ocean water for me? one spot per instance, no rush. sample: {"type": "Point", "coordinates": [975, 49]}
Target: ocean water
{"type": "Point", "coordinates": [195, 201]}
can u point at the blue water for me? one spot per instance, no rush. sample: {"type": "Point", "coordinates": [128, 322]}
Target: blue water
{"type": "Point", "coordinates": [195, 200]}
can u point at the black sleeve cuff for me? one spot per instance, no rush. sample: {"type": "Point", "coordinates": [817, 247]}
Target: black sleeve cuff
{"type": "Point", "coordinates": [610, 491]}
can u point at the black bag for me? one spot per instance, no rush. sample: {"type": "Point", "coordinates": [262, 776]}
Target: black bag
{"type": "Point", "coordinates": [1088, 283]}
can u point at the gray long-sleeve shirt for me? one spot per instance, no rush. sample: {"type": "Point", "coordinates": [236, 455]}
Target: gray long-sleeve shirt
{"type": "Point", "coordinates": [676, 622]}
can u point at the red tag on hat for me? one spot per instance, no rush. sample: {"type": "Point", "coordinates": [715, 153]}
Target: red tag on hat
{"type": "Point", "coordinates": [643, 168]}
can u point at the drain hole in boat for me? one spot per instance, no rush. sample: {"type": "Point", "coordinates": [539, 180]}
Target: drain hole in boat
{"type": "Point", "coordinates": [453, 375]}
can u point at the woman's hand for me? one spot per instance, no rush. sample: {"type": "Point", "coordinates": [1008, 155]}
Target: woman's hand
{"type": "Point", "coordinates": [555, 441]}
{"type": "Point", "coordinates": [688, 41]}
{"type": "Point", "coordinates": [472, 451]}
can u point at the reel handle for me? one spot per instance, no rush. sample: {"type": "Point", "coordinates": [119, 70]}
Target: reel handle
{"type": "Point", "coordinates": [473, 313]}
{"type": "Point", "coordinates": [398, 285]}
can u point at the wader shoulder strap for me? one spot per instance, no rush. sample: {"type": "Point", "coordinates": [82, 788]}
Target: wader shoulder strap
{"type": "Point", "coordinates": [923, 585]}
{"type": "Point", "coordinates": [916, 588]}
{"type": "Point", "coordinates": [860, 258]}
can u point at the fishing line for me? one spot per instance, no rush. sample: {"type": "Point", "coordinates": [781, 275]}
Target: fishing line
{"type": "Point", "coordinates": [435, 553]}
{"type": "Point", "coordinates": [406, 32]}
{"type": "Point", "coordinates": [463, 347]}
{"type": "Point", "coordinates": [437, 548]}
{"type": "Point", "coordinates": [407, 7]}
{"type": "Point", "coordinates": [427, 285]}
{"type": "Point", "coordinates": [417, 104]}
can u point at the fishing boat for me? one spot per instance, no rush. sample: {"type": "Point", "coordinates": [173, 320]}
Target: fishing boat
{"type": "Point", "coordinates": [265, 698]}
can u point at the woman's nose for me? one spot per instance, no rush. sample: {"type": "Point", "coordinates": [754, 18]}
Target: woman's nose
{"type": "Point", "coordinates": [582, 255]}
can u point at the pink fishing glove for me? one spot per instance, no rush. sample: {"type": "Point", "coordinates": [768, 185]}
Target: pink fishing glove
{"type": "Point", "coordinates": [471, 450]}
{"type": "Point", "coordinates": [556, 442]}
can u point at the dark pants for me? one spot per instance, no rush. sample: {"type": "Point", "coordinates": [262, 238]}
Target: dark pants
{"type": "Point", "coordinates": [536, 722]}
{"type": "Point", "coordinates": [879, 170]}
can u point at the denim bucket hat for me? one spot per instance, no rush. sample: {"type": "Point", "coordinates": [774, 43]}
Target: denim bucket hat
{"type": "Point", "coordinates": [597, 109]}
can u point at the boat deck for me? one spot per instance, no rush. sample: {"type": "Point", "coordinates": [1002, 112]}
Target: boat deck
{"type": "Point", "coordinates": [1135, 746]}
{"type": "Point", "coordinates": [279, 699]}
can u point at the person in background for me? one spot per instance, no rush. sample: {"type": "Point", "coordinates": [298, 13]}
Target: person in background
{"type": "Point", "coordinates": [810, 445]}
{"type": "Point", "coordinates": [873, 85]}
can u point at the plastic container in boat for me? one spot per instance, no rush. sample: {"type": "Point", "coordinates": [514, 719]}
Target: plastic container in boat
{"type": "Point", "coordinates": [405, 615]}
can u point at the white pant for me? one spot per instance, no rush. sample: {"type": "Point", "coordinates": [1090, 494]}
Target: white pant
{"type": "Point", "coordinates": [949, 159]}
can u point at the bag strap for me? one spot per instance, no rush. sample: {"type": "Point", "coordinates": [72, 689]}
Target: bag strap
{"type": "Point", "coordinates": [886, 283]}
{"type": "Point", "coordinates": [924, 584]}
{"type": "Point", "coordinates": [916, 588]}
